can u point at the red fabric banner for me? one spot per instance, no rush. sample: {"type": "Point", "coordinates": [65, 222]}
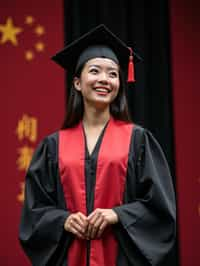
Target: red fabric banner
{"type": "Point", "coordinates": [32, 102]}
{"type": "Point", "coordinates": [185, 38]}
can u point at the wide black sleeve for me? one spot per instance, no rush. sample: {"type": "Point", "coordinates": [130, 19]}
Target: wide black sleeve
{"type": "Point", "coordinates": [147, 225]}
{"type": "Point", "coordinates": [41, 232]}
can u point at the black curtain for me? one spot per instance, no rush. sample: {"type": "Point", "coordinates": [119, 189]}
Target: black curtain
{"type": "Point", "coordinates": [143, 25]}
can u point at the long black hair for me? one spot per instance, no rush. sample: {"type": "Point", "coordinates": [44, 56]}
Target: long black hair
{"type": "Point", "coordinates": [75, 106]}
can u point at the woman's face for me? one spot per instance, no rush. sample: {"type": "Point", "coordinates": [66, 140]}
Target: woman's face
{"type": "Point", "coordinates": [99, 82]}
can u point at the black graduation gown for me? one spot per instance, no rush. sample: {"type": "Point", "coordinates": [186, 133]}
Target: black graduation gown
{"type": "Point", "coordinates": [147, 219]}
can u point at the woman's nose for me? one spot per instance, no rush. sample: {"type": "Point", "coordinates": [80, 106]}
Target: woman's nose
{"type": "Point", "coordinates": [103, 77]}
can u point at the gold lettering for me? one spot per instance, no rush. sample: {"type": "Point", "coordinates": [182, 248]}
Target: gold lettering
{"type": "Point", "coordinates": [25, 156]}
{"type": "Point", "coordinates": [27, 128]}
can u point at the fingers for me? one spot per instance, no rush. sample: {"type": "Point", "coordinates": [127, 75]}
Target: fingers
{"type": "Point", "coordinates": [94, 221]}
{"type": "Point", "coordinates": [96, 227]}
{"type": "Point", "coordinates": [97, 222]}
{"type": "Point", "coordinates": [76, 223]}
{"type": "Point", "coordinates": [81, 221]}
{"type": "Point", "coordinates": [92, 226]}
{"type": "Point", "coordinates": [101, 229]}
{"type": "Point", "coordinates": [76, 230]}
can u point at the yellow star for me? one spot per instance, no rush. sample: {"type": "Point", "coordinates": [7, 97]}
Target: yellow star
{"type": "Point", "coordinates": [39, 46]}
{"type": "Point", "coordinates": [9, 32]}
{"type": "Point", "coordinates": [29, 55]}
{"type": "Point", "coordinates": [39, 30]}
{"type": "Point", "coordinates": [29, 20]}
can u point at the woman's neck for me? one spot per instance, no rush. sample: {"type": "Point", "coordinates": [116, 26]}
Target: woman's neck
{"type": "Point", "coordinates": [95, 117]}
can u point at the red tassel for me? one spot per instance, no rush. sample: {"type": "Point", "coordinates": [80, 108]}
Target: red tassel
{"type": "Point", "coordinates": [131, 71]}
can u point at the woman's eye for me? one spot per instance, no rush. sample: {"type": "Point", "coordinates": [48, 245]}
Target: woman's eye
{"type": "Point", "coordinates": [113, 74]}
{"type": "Point", "coordinates": [93, 70]}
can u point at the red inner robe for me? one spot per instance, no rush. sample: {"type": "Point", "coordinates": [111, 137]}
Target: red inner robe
{"type": "Point", "coordinates": [109, 185]}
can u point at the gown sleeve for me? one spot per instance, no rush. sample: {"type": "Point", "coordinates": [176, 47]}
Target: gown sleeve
{"type": "Point", "coordinates": [41, 231]}
{"type": "Point", "coordinates": [147, 224]}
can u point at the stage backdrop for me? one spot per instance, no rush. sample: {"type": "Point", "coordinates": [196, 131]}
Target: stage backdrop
{"type": "Point", "coordinates": [185, 40]}
{"type": "Point", "coordinates": [32, 102]}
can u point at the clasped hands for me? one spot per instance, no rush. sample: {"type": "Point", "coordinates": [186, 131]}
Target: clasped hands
{"type": "Point", "coordinates": [92, 226]}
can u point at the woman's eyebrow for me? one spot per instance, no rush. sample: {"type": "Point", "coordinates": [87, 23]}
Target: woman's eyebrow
{"type": "Point", "coordinates": [99, 66]}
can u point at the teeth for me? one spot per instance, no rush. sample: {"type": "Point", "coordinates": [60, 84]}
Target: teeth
{"type": "Point", "coordinates": [101, 90]}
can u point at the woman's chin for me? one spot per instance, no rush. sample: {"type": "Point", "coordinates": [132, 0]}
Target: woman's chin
{"type": "Point", "coordinates": [99, 103]}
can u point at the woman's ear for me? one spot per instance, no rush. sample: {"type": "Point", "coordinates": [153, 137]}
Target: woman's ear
{"type": "Point", "coordinates": [77, 84]}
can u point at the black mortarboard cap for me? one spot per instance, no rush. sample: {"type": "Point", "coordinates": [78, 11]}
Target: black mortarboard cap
{"type": "Point", "coordinates": [99, 42]}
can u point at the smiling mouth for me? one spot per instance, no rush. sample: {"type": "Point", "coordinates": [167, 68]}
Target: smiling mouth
{"type": "Point", "coordinates": [102, 90]}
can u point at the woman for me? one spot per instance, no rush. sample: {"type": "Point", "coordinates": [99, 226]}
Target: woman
{"type": "Point", "coordinates": [99, 191]}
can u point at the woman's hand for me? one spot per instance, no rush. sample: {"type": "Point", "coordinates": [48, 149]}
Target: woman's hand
{"type": "Point", "coordinates": [98, 220]}
{"type": "Point", "coordinates": [77, 224]}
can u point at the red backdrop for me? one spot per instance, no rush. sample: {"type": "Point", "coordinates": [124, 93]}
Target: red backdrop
{"type": "Point", "coordinates": [185, 24]}
{"type": "Point", "coordinates": [32, 101]}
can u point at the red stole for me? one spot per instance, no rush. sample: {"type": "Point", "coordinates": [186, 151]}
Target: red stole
{"type": "Point", "coordinates": [109, 189]}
